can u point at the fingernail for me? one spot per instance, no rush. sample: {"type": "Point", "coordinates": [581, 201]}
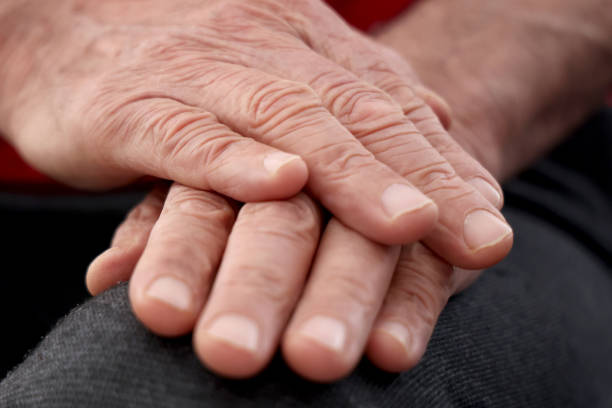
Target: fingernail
{"type": "Point", "coordinates": [398, 332]}
{"type": "Point", "coordinates": [171, 291]}
{"type": "Point", "coordinates": [482, 229]}
{"type": "Point", "coordinates": [274, 161]}
{"type": "Point", "coordinates": [327, 331]}
{"type": "Point", "coordinates": [487, 190]}
{"type": "Point", "coordinates": [237, 330]}
{"type": "Point", "coordinates": [399, 199]}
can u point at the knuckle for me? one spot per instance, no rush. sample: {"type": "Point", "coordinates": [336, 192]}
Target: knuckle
{"type": "Point", "coordinates": [296, 220]}
{"type": "Point", "coordinates": [260, 282]}
{"type": "Point", "coordinates": [416, 110]}
{"type": "Point", "coordinates": [341, 160]}
{"type": "Point", "coordinates": [354, 102]}
{"type": "Point", "coordinates": [357, 104]}
{"type": "Point", "coordinates": [147, 211]}
{"type": "Point", "coordinates": [203, 206]}
{"type": "Point", "coordinates": [424, 301]}
{"type": "Point", "coordinates": [434, 177]}
{"type": "Point", "coordinates": [185, 133]}
{"type": "Point", "coordinates": [355, 290]}
{"type": "Point", "coordinates": [273, 102]}
{"type": "Point", "coordinates": [410, 296]}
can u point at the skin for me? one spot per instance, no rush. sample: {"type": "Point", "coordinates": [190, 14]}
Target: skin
{"type": "Point", "coordinates": [398, 327]}
{"type": "Point", "coordinates": [420, 282]}
{"type": "Point", "coordinates": [186, 93]}
{"type": "Point", "coordinates": [207, 93]}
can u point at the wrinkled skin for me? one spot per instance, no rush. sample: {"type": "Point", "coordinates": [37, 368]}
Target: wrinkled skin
{"type": "Point", "coordinates": [210, 94]}
{"type": "Point", "coordinates": [504, 115]}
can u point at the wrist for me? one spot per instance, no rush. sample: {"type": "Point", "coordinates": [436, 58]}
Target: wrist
{"type": "Point", "coordinates": [517, 81]}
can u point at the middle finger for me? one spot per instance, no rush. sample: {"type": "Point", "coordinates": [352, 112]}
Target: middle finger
{"type": "Point", "coordinates": [264, 266]}
{"type": "Point", "coordinates": [471, 232]}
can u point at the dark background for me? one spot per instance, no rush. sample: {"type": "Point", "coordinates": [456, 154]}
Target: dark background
{"type": "Point", "coordinates": [48, 242]}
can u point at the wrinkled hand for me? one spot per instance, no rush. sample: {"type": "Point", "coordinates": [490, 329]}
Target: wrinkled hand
{"type": "Point", "coordinates": [212, 94]}
{"type": "Point", "coordinates": [209, 93]}
{"type": "Point", "coordinates": [359, 295]}
{"type": "Point", "coordinates": [272, 285]}
{"type": "Point", "coordinates": [176, 266]}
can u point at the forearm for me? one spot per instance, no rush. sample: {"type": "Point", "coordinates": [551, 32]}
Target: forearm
{"type": "Point", "coordinates": [518, 75]}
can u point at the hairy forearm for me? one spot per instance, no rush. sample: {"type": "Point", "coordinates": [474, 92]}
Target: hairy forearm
{"type": "Point", "coordinates": [518, 75]}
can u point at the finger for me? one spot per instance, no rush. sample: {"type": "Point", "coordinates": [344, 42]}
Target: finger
{"type": "Point", "coordinates": [329, 328]}
{"type": "Point", "coordinates": [437, 104]}
{"type": "Point", "coordinates": [464, 278]}
{"type": "Point", "coordinates": [420, 288]}
{"type": "Point", "coordinates": [388, 71]}
{"type": "Point", "coordinates": [422, 107]}
{"type": "Point", "coordinates": [470, 232]}
{"type": "Point", "coordinates": [172, 278]}
{"type": "Point", "coordinates": [264, 266]}
{"type": "Point", "coordinates": [117, 263]}
{"type": "Point", "coordinates": [168, 139]}
{"type": "Point", "coordinates": [343, 175]}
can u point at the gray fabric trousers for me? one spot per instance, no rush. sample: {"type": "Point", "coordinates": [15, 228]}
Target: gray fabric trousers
{"type": "Point", "coordinates": [534, 331]}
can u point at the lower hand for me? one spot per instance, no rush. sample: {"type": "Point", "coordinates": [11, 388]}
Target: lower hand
{"type": "Point", "coordinates": [245, 298]}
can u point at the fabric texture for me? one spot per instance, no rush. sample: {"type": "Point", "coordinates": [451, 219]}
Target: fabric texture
{"type": "Point", "coordinates": [534, 331]}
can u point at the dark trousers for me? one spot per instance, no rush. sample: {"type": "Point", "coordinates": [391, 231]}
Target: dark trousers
{"type": "Point", "coordinates": [534, 331]}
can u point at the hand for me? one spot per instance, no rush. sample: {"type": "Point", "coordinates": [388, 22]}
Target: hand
{"type": "Point", "coordinates": [490, 117]}
{"type": "Point", "coordinates": [173, 245]}
{"type": "Point", "coordinates": [172, 89]}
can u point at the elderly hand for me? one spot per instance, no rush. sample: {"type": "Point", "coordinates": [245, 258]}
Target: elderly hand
{"type": "Point", "coordinates": [260, 294]}
{"type": "Point", "coordinates": [273, 286]}
{"type": "Point", "coordinates": [208, 93]}
{"type": "Point", "coordinates": [211, 94]}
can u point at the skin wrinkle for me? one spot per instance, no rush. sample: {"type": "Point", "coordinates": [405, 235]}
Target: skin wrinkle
{"type": "Point", "coordinates": [221, 214]}
{"type": "Point", "coordinates": [393, 140]}
{"type": "Point", "coordinates": [358, 105]}
{"type": "Point", "coordinates": [163, 80]}
{"type": "Point", "coordinates": [363, 129]}
{"type": "Point", "coordinates": [289, 211]}
{"type": "Point", "coordinates": [424, 176]}
{"type": "Point", "coordinates": [353, 131]}
{"type": "Point", "coordinates": [265, 284]}
{"type": "Point", "coordinates": [180, 263]}
{"type": "Point", "coordinates": [340, 161]}
{"type": "Point", "coordinates": [271, 103]}
{"type": "Point", "coordinates": [296, 231]}
{"type": "Point", "coordinates": [188, 139]}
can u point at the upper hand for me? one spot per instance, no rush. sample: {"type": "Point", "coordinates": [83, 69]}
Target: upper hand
{"type": "Point", "coordinates": [118, 90]}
